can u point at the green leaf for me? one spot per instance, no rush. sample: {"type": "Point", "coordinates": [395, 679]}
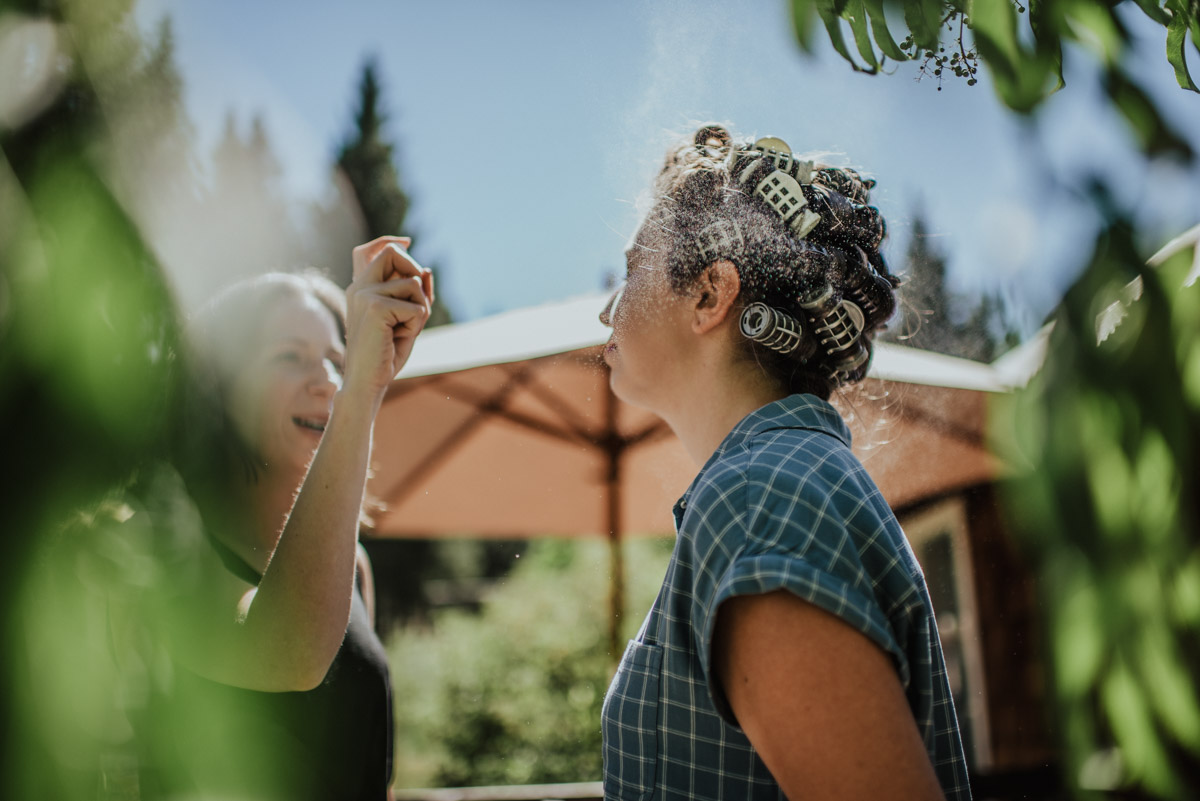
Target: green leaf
{"type": "Point", "coordinates": [924, 20]}
{"type": "Point", "coordinates": [883, 37]}
{"type": "Point", "coordinates": [856, 15]}
{"type": "Point", "coordinates": [1096, 25]}
{"type": "Point", "coordinates": [994, 23]}
{"type": "Point", "coordinates": [1044, 23]}
{"type": "Point", "coordinates": [804, 17]}
{"type": "Point", "coordinates": [1153, 10]}
{"type": "Point", "coordinates": [1155, 136]}
{"type": "Point", "coordinates": [833, 26]}
{"type": "Point", "coordinates": [1164, 672]}
{"type": "Point", "coordinates": [1177, 30]}
{"type": "Point", "coordinates": [1022, 77]}
{"type": "Point", "coordinates": [1129, 713]}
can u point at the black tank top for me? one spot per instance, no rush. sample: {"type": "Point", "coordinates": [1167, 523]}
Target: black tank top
{"type": "Point", "coordinates": [333, 742]}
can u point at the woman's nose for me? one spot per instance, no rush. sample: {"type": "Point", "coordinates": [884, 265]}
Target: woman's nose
{"type": "Point", "coordinates": [610, 308]}
{"type": "Point", "coordinates": [326, 379]}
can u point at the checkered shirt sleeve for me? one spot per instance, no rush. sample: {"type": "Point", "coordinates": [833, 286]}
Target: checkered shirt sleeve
{"type": "Point", "coordinates": [782, 505]}
{"type": "Point", "coordinates": [792, 513]}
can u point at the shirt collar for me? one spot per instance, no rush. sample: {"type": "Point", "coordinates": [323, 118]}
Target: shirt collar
{"type": "Point", "coordinates": [795, 411]}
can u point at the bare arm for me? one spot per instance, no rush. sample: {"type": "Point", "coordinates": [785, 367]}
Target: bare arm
{"type": "Point", "coordinates": [821, 703]}
{"type": "Point", "coordinates": [366, 581]}
{"type": "Point", "coordinates": [284, 634]}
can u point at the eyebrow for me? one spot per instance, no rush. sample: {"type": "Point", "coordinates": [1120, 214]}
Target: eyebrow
{"type": "Point", "coordinates": [338, 348]}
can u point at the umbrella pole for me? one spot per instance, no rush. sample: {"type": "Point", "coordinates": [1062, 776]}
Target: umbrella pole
{"type": "Point", "coordinates": [616, 589]}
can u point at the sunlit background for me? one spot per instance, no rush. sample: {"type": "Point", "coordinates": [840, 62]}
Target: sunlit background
{"type": "Point", "coordinates": [149, 160]}
{"type": "Point", "coordinates": [526, 131]}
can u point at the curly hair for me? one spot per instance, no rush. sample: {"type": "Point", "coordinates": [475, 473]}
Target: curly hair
{"type": "Point", "coordinates": [802, 237]}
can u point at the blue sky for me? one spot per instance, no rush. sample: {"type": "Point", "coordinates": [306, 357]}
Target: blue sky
{"type": "Point", "coordinates": [527, 130]}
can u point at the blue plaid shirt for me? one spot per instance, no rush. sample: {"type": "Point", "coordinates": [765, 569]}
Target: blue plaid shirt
{"type": "Point", "coordinates": [781, 504]}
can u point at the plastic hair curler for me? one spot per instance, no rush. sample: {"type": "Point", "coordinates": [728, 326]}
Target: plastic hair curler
{"type": "Point", "coordinates": [719, 240]}
{"type": "Point", "coordinates": [775, 329]}
{"type": "Point", "coordinates": [770, 171]}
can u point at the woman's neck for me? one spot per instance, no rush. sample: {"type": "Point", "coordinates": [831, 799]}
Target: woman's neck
{"type": "Point", "coordinates": [716, 400]}
{"type": "Point", "coordinates": [268, 502]}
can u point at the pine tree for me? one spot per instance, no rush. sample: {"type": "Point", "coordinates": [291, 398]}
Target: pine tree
{"type": "Point", "coordinates": [932, 317]}
{"type": "Point", "coordinates": [245, 219]}
{"type": "Point", "coordinates": [368, 162]}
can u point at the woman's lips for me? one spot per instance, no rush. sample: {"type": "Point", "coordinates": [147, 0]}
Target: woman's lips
{"type": "Point", "coordinates": [312, 425]}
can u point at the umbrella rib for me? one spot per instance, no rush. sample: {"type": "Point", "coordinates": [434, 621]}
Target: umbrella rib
{"type": "Point", "coordinates": [656, 430]}
{"type": "Point", "coordinates": [398, 389]}
{"type": "Point", "coordinates": [556, 404]}
{"type": "Point", "coordinates": [401, 489]}
{"type": "Point", "coordinates": [487, 407]}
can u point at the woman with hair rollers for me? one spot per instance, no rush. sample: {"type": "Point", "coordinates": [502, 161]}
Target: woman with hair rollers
{"type": "Point", "coordinates": [792, 650]}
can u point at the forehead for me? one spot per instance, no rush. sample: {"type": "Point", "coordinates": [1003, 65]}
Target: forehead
{"type": "Point", "coordinates": [650, 241]}
{"type": "Point", "coordinates": [299, 315]}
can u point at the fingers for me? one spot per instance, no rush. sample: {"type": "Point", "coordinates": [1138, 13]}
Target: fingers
{"type": "Point", "coordinates": [362, 256]}
{"type": "Point", "coordinates": [410, 289]}
{"type": "Point", "coordinates": [380, 301]}
{"type": "Point", "coordinates": [405, 318]}
{"type": "Point", "coordinates": [385, 258]}
{"type": "Point", "coordinates": [427, 281]}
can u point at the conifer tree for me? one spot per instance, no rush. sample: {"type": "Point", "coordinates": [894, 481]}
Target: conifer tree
{"type": "Point", "coordinates": [932, 317]}
{"type": "Point", "coordinates": [368, 161]}
{"type": "Point", "coordinates": [246, 220]}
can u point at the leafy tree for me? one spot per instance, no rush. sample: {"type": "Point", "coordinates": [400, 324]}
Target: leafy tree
{"type": "Point", "coordinates": [86, 326]}
{"type": "Point", "coordinates": [1108, 433]}
{"type": "Point", "coordinates": [368, 160]}
{"type": "Point", "coordinates": [512, 694]}
{"type": "Point", "coordinates": [1020, 44]}
{"type": "Point", "coordinates": [1107, 507]}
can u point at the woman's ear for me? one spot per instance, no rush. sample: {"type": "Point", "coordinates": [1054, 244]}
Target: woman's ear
{"type": "Point", "coordinates": [719, 287]}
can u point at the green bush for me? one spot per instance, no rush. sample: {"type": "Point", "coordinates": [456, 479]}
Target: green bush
{"type": "Point", "coordinates": [512, 694]}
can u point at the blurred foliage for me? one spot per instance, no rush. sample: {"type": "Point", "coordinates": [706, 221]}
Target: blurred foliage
{"type": "Point", "coordinates": [1020, 44]}
{"type": "Point", "coordinates": [512, 694]}
{"type": "Point", "coordinates": [414, 577]}
{"type": "Point", "coordinates": [1107, 506]}
{"type": "Point", "coordinates": [87, 327]}
{"type": "Point", "coordinates": [1105, 440]}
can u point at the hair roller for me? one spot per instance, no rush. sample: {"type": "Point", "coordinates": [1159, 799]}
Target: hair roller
{"type": "Point", "coordinates": [721, 239]}
{"type": "Point", "coordinates": [871, 223]}
{"type": "Point", "coordinates": [713, 140]}
{"type": "Point", "coordinates": [870, 291]}
{"type": "Point", "coordinates": [845, 181]}
{"type": "Point", "coordinates": [775, 329]}
{"type": "Point", "coordinates": [836, 324]}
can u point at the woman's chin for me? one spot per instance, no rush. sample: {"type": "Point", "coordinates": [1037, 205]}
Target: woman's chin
{"type": "Point", "coordinates": [624, 392]}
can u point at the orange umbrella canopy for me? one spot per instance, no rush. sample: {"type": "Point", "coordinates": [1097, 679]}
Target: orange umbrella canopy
{"type": "Point", "coordinates": [506, 427]}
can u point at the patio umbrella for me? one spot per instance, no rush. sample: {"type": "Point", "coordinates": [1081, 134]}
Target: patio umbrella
{"type": "Point", "coordinates": [506, 427]}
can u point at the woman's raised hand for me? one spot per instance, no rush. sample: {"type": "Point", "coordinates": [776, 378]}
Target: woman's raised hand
{"type": "Point", "coordinates": [387, 305]}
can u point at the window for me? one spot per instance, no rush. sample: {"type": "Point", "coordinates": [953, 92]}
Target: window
{"type": "Point", "coordinates": [938, 535]}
